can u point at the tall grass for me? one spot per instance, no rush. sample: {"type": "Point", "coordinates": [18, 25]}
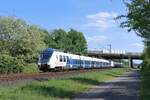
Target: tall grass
{"type": "Point", "coordinates": [58, 89]}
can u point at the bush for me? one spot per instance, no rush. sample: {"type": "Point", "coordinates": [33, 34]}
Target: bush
{"type": "Point", "coordinates": [10, 64]}
{"type": "Point", "coordinates": [145, 79]}
{"type": "Point", "coordinates": [32, 67]}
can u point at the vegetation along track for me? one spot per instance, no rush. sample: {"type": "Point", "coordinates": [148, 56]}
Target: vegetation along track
{"type": "Point", "coordinates": [16, 78]}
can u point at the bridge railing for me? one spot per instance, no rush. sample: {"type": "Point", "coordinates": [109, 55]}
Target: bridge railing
{"type": "Point", "coordinates": [126, 53]}
{"type": "Point", "coordinates": [133, 53]}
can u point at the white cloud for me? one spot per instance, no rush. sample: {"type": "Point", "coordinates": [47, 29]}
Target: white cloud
{"type": "Point", "coordinates": [95, 40]}
{"type": "Point", "coordinates": [137, 45]}
{"type": "Point", "coordinates": [101, 19]}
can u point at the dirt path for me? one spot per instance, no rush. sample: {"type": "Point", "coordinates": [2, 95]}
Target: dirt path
{"type": "Point", "coordinates": [125, 87]}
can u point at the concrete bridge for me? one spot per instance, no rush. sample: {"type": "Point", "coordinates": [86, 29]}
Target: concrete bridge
{"type": "Point", "coordinates": [127, 55]}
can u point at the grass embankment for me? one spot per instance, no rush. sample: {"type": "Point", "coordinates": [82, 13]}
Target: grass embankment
{"type": "Point", "coordinates": [58, 88]}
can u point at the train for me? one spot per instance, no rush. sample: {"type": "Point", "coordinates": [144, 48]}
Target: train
{"type": "Point", "coordinates": [52, 59]}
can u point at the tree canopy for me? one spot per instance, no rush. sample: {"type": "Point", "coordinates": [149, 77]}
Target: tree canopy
{"type": "Point", "coordinates": [77, 42]}
{"type": "Point", "coordinates": [20, 39]}
{"type": "Point", "coordinates": [71, 41]}
{"type": "Point", "coordinates": [138, 18]}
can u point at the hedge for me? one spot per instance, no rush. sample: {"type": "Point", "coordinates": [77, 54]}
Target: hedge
{"type": "Point", "coordinates": [10, 64]}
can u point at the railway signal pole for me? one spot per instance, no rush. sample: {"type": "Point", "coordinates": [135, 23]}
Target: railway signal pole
{"type": "Point", "coordinates": [110, 53]}
{"type": "Point", "coordinates": [109, 48]}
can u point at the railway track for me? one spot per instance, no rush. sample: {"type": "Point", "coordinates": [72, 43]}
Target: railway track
{"type": "Point", "coordinates": [16, 78]}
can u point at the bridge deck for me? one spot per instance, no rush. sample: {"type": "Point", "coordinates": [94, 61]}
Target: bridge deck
{"type": "Point", "coordinates": [114, 55]}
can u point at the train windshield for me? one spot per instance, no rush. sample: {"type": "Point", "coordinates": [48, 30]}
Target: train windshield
{"type": "Point", "coordinates": [46, 55]}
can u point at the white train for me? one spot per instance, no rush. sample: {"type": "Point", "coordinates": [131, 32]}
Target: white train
{"type": "Point", "coordinates": [54, 59]}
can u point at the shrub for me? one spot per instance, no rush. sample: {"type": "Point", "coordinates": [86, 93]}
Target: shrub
{"type": "Point", "coordinates": [145, 78]}
{"type": "Point", "coordinates": [10, 64]}
{"type": "Point", "coordinates": [32, 67]}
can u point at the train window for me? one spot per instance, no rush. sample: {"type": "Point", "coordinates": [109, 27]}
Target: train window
{"type": "Point", "coordinates": [86, 62]}
{"type": "Point", "coordinates": [101, 64]}
{"type": "Point", "coordinates": [61, 59]}
{"type": "Point", "coordinates": [82, 62]}
{"type": "Point", "coordinates": [78, 61]}
{"type": "Point", "coordinates": [104, 64]}
{"type": "Point", "coordinates": [107, 64]}
{"type": "Point", "coordinates": [67, 59]}
{"type": "Point", "coordinates": [64, 58]}
{"type": "Point", "coordinates": [96, 63]}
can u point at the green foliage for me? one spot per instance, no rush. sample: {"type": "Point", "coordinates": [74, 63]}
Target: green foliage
{"type": "Point", "coordinates": [58, 39]}
{"type": "Point", "coordinates": [20, 39]}
{"type": "Point", "coordinates": [145, 72]}
{"type": "Point", "coordinates": [58, 89]}
{"type": "Point", "coordinates": [77, 42]}
{"type": "Point", "coordinates": [10, 64]}
{"type": "Point", "coordinates": [138, 17]}
{"type": "Point", "coordinates": [32, 67]}
{"type": "Point", "coordinates": [72, 41]}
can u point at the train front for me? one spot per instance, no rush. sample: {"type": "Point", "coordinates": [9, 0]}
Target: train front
{"type": "Point", "coordinates": [44, 59]}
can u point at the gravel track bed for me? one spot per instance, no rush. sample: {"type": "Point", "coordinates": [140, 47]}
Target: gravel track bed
{"type": "Point", "coordinates": [12, 79]}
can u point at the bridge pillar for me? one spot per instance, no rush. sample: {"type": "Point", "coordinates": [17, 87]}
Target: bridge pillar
{"type": "Point", "coordinates": [130, 63]}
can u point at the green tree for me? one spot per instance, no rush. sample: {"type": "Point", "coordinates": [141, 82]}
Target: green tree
{"type": "Point", "coordinates": [19, 39]}
{"type": "Point", "coordinates": [77, 43]}
{"type": "Point", "coordinates": [58, 39]}
{"type": "Point", "coordinates": [138, 18]}
{"type": "Point", "coordinates": [72, 41]}
{"type": "Point", "coordinates": [9, 28]}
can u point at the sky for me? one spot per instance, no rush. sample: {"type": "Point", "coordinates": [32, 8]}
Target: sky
{"type": "Point", "coordinates": [95, 18]}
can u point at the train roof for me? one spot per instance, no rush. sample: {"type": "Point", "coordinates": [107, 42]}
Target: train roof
{"type": "Point", "coordinates": [47, 50]}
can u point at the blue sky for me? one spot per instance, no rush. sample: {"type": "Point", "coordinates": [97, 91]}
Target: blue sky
{"type": "Point", "coordinates": [92, 17]}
